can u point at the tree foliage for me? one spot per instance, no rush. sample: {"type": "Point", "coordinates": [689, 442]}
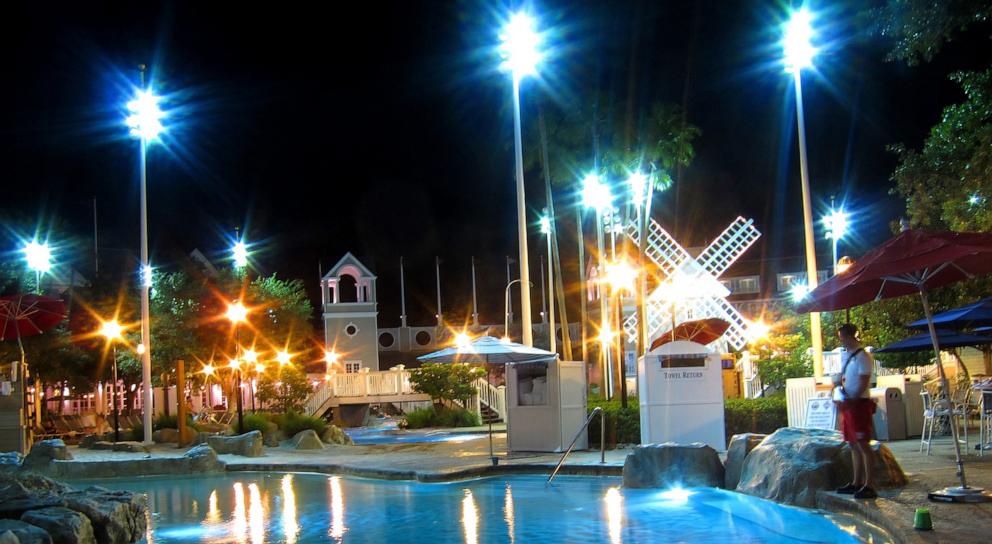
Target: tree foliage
{"type": "Point", "coordinates": [445, 382]}
{"type": "Point", "coordinates": [920, 28]}
{"type": "Point", "coordinates": [948, 184]}
{"type": "Point", "coordinates": [287, 387]}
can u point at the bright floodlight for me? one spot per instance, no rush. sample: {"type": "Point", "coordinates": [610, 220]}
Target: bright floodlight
{"type": "Point", "coordinates": [260, 368]}
{"type": "Point", "coordinates": [330, 357]}
{"type": "Point", "coordinates": [799, 291]}
{"type": "Point", "coordinates": [237, 312]}
{"type": "Point", "coordinates": [208, 370]}
{"type": "Point", "coordinates": [606, 336]}
{"type": "Point", "coordinates": [836, 224]}
{"type": "Point", "coordinates": [463, 341]}
{"type": "Point", "coordinates": [234, 364]}
{"type": "Point", "coordinates": [146, 276]}
{"type": "Point", "coordinates": [975, 199]}
{"type": "Point", "coordinates": [145, 120]}
{"type": "Point", "coordinates": [283, 357]}
{"type": "Point", "coordinates": [756, 330]}
{"type": "Point", "coordinates": [545, 225]}
{"type": "Point", "coordinates": [520, 46]}
{"type": "Point", "coordinates": [676, 494]}
{"type": "Point", "coordinates": [250, 355]}
{"type": "Point", "coordinates": [38, 256]}
{"type": "Point", "coordinates": [596, 194]}
{"type": "Point", "coordinates": [797, 42]}
{"type": "Point", "coordinates": [620, 275]}
{"type": "Point", "coordinates": [240, 254]}
{"type": "Point", "coordinates": [111, 330]}
{"type": "Point", "coordinates": [638, 182]}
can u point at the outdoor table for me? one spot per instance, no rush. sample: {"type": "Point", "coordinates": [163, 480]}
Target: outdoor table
{"type": "Point", "coordinates": [985, 412]}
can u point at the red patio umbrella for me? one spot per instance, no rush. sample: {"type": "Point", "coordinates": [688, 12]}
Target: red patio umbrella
{"type": "Point", "coordinates": [912, 262]}
{"type": "Point", "coordinates": [701, 331]}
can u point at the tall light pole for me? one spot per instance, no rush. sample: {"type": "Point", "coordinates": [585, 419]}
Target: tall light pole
{"type": "Point", "coordinates": [596, 195]}
{"type": "Point", "coordinates": [111, 330]}
{"type": "Point", "coordinates": [552, 334]}
{"type": "Point", "coordinates": [798, 53]}
{"type": "Point", "coordinates": [520, 42]}
{"type": "Point", "coordinates": [39, 258]}
{"type": "Point", "coordinates": [237, 313]}
{"type": "Point", "coordinates": [145, 122]}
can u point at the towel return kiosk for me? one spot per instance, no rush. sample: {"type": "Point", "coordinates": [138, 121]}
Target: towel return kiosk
{"type": "Point", "coordinates": [680, 390]}
{"type": "Point", "coordinates": [546, 405]}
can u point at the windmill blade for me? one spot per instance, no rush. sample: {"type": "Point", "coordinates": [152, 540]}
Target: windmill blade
{"type": "Point", "coordinates": [736, 334]}
{"type": "Point", "coordinates": [659, 316]}
{"type": "Point", "coordinates": [729, 246]}
{"type": "Point", "coordinates": [661, 248]}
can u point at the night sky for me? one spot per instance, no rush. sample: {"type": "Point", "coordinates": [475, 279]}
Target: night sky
{"type": "Point", "coordinates": [384, 128]}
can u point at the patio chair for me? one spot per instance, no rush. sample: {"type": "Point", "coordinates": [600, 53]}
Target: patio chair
{"type": "Point", "coordinates": [985, 421]}
{"type": "Point", "coordinates": [933, 411]}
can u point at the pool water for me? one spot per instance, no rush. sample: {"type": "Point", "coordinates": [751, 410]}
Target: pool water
{"type": "Point", "coordinates": [256, 507]}
{"type": "Point", "coordinates": [389, 432]}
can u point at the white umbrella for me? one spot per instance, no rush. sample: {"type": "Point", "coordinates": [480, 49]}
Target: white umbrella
{"type": "Point", "coordinates": [489, 351]}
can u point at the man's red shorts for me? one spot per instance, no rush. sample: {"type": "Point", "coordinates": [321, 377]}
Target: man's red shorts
{"type": "Point", "coordinates": [855, 419]}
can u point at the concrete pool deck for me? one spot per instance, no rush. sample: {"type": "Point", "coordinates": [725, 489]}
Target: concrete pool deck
{"type": "Point", "coordinates": [440, 461]}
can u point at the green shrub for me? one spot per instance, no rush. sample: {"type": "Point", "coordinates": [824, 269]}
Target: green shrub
{"type": "Point", "coordinates": [761, 415]}
{"type": "Point", "coordinates": [171, 421]}
{"type": "Point", "coordinates": [623, 425]}
{"type": "Point", "coordinates": [292, 423]}
{"type": "Point", "coordinates": [445, 417]}
{"type": "Point", "coordinates": [136, 434]}
{"type": "Point", "coordinates": [255, 422]}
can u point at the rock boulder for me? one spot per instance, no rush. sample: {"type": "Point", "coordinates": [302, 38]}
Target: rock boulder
{"type": "Point", "coordinates": [202, 458]}
{"type": "Point", "coordinates": [335, 435]}
{"type": "Point", "coordinates": [740, 446]}
{"type": "Point", "coordinates": [664, 465]}
{"type": "Point", "coordinates": [307, 440]}
{"type": "Point", "coordinates": [65, 526]}
{"type": "Point", "coordinates": [162, 436]}
{"type": "Point", "coordinates": [117, 516]}
{"type": "Point", "coordinates": [24, 533]}
{"type": "Point", "coordinates": [248, 444]}
{"type": "Point", "coordinates": [10, 459]}
{"type": "Point", "coordinates": [44, 452]}
{"type": "Point", "coordinates": [792, 464]}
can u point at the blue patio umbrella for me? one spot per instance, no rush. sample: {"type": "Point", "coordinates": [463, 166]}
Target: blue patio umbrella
{"type": "Point", "coordinates": [976, 314]}
{"type": "Point", "coordinates": [945, 338]}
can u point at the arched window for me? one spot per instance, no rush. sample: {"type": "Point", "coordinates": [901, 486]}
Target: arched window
{"type": "Point", "coordinates": [347, 288]}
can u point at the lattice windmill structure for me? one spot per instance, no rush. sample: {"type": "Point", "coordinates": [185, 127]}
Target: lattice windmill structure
{"type": "Point", "coordinates": [691, 288]}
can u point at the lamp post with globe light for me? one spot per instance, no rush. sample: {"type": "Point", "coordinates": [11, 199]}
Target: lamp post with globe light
{"type": "Point", "coordinates": [145, 122]}
{"type": "Point", "coordinates": [836, 227]}
{"type": "Point", "coordinates": [237, 313]}
{"type": "Point", "coordinates": [798, 53]}
{"type": "Point", "coordinates": [521, 55]}
{"type": "Point", "coordinates": [552, 333]}
{"type": "Point", "coordinates": [111, 330]}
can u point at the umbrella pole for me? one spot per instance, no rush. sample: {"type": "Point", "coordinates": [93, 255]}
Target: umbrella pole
{"type": "Point", "coordinates": [24, 389]}
{"type": "Point", "coordinates": [492, 455]}
{"type": "Point", "coordinates": [943, 384]}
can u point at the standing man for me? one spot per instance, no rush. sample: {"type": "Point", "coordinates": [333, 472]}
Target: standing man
{"type": "Point", "coordinates": [856, 410]}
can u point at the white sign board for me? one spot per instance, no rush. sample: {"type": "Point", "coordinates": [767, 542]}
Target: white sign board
{"type": "Point", "coordinates": [821, 413]}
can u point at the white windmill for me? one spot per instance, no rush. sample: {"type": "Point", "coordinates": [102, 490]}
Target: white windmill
{"type": "Point", "coordinates": [691, 288]}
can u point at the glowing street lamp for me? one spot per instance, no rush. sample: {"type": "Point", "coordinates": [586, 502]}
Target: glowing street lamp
{"type": "Point", "coordinates": [112, 331]}
{"type": "Point", "coordinates": [237, 313]}
{"type": "Point", "coordinates": [798, 53]}
{"type": "Point", "coordinates": [283, 358]}
{"type": "Point", "coordinates": [620, 276]}
{"type": "Point", "coordinates": [756, 330]}
{"type": "Point", "coordinates": [520, 49]}
{"type": "Point", "coordinates": [463, 341]}
{"type": "Point", "coordinates": [239, 254]}
{"type": "Point", "coordinates": [145, 123]}
{"type": "Point", "coordinates": [39, 258]}
{"type": "Point", "coordinates": [798, 291]}
{"type": "Point", "coordinates": [836, 223]}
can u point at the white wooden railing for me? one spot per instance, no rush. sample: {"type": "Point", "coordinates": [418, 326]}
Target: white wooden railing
{"type": "Point", "coordinates": [393, 382]}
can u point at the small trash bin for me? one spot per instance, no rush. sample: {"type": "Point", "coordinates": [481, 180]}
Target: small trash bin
{"type": "Point", "coordinates": [890, 413]}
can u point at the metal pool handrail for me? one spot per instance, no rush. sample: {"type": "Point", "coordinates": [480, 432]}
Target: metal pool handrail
{"type": "Point", "coordinates": [602, 440]}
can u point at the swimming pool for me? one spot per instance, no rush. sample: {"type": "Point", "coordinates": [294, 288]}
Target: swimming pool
{"type": "Point", "coordinates": [389, 432]}
{"type": "Point", "coordinates": [256, 507]}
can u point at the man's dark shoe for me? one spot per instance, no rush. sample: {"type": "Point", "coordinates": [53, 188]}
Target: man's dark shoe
{"type": "Point", "coordinates": [865, 492]}
{"type": "Point", "coordinates": [848, 489]}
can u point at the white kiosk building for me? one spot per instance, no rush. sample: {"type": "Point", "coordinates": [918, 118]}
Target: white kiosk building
{"type": "Point", "coordinates": [680, 390]}
{"type": "Point", "coordinates": [546, 405]}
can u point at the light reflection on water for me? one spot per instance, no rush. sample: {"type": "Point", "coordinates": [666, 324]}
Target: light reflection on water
{"type": "Point", "coordinates": [300, 508]}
